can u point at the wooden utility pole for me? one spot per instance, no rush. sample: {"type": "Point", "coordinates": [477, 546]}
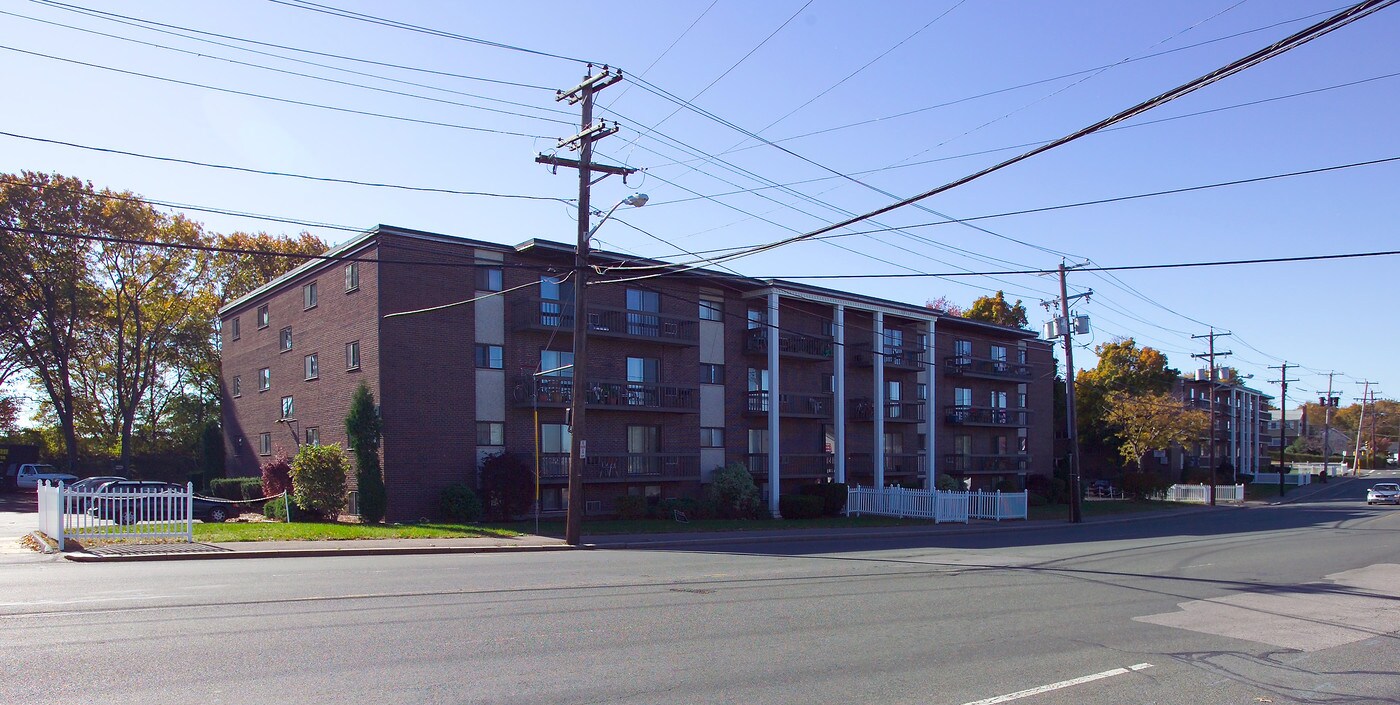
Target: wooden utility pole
{"type": "Point", "coordinates": [1329, 403]}
{"type": "Point", "coordinates": [1212, 335]}
{"type": "Point", "coordinates": [1360, 424]}
{"type": "Point", "coordinates": [583, 142]}
{"type": "Point", "coordinates": [1283, 381]}
{"type": "Point", "coordinates": [1076, 510]}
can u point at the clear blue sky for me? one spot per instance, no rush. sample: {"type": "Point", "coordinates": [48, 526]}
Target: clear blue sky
{"type": "Point", "coordinates": [771, 58]}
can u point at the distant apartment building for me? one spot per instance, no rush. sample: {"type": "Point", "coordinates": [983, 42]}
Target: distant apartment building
{"type": "Point", "coordinates": [1238, 429]}
{"type": "Point", "coordinates": [687, 372]}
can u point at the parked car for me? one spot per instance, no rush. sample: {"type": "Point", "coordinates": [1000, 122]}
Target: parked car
{"type": "Point", "coordinates": [29, 475]}
{"type": "Point", "coordinates": [87, 485]}
{"type": "Point", "coordinates": [1101, 488]}
{"type": "Point", "coordinates": [1383, 493]}
{"type": "Point", "coordinates": [128, 510]}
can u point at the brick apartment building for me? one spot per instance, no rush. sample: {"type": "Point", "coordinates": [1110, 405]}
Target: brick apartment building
{"type": "Point", "coordinates": [1240, 426]}
{"type": "Point", "coordinates": [686, 373]}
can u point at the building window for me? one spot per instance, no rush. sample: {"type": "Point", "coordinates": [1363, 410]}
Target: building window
{"type": "Point", "coordinates": [313, 436]}
{"type": "Point", "coordinates": [264, 318]}
{"type": "Point", "coordinates": [921, 391]}
{"type": "Point", "coordinates": [288, 409]}
{"type": "Point", "coordinates": [757, 318]}
{"type": "Point", "coordinates": [235, 330]}
{"type": "Point", "coordinates": [962, 350]}
{"type": "Point", "coordinates": [313, 370]}
{"type": "Point", "coordinates": [711, 437]}
{"type": "Point", "coordinates": [491, 357]}
{"type": "Point", "coordinates": [556, 302]}
{"type": "Point", "coordinates": [490, 433]}
{"type": "Point", "coordinates": [554, 438]}
{"type": "Point", "coordinates": [758, 441]}
{"type": "Point", "coordinates": [999, 358]}
{"type": "Point", "coordinates": [962, 396]}
{"type": "Point", "coordinates": [711, 373]}
{"type": "Point", "coordinates": [829, 384]}
{"type": "Point", "coordinates": [237, 386]}
{"type": "Point", "coordinates": [352, 355]}
{"type": "Point", "coordinates": [1022, 445]}
{"type": "Point", "coordinates": [1021, 356]}
{"type": "Point", "coordinates": [352, 277]}
{"type": "Point", "coordinates": [556, 363]}
{"type": "Point", "coordinates": [264, 444]}
{"type": "Point", "coordinates": [489, 278]}
{"type": "Point", "coordinates": [308, 295]}
{"type": "Point", "coordinates": [285, 339]}
{"type": "Point", "coordinates": [643, 369]}
{"type": "Point", "coordinates": [641, 300]}
{"type": "Point", "coordinates": [711, 310]}
{"type": "Point", "coordinates": [264, 379]}
{"type": "Point", "coordinates": [1021, 400]}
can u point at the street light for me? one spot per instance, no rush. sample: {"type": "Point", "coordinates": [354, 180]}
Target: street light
{"type": "Point", "coordinates": [578, 447]}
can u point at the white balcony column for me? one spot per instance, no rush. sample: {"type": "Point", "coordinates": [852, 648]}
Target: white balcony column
{"type": "Point", "coordinates": [1235, 429]}
{"type": "Point", "coordinates": [877, 359]}
{"type": "Point", "coordinates": [774, 443]}
{"type": "Point", "coordinates": [838, 371]}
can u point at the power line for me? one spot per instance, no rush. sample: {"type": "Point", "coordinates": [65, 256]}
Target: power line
{"type": "Point", "coordinates": [290, 175]}
{"type": "Point", "coordinates": [275, 99]}
{"type": "Point", "coordinates": [342, 57]}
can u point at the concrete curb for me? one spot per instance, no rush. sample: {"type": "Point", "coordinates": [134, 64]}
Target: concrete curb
{"type": "Point", "coordinates": [85, 557]}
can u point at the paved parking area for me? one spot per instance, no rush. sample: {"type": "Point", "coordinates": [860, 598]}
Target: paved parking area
{"type": "Point", "coordinates": [19, 515]}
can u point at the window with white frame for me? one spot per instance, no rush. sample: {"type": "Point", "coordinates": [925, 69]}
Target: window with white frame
{"type": "Point", "coordinates": [264, 318]}
{"type": "Point", "coordinates": [288, 408]}
{"type": "Point", "coordinates": [491, 357]}
{"type": "Point", "coordinates": [490, 278]}
{"type": "Point", "coordinates": [962, 396]}
{"type": "Point", "coordinates": [312, 369]}
{"type": "Point", "coordinates": [237, 386]}
{"type": "Point", "coordinates": [711, 373]}
{"type": "Point", "coordinates": [554, 438]}
{"type": "Point", "coordinates": [308, 295]}
{"type": "Point", "coordinates": [352, 355]}
{"type": "Point", "coordinates": [962, 351]}
{"type": "Point", "coordinates": [352, 277]}
{"type": "Point", "coordinates": [556, 363]}
{"type": "Point", "coordinates": [285, 339]}
{"type": "Point", "coordinates": [711, 437]}
{"type": "Point", "coordinates": [265, 444]}
{"type": "Point", "coordinates": [235, 330]}
{"type": "Point", "coordinates": [490, 433]}
{"type": "Point", "coordinates": [264, 379]}
{"type": "Point", "coordinates": [313, 436]}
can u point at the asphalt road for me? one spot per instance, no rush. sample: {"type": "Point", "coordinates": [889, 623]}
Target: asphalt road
{"type": "Point", "coordinates": [1297, 603]}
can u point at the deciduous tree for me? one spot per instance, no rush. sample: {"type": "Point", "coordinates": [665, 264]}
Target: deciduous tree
{"type": "Point", "coordinates": [1152, 421]}
{"type": "Point", "coordinates": [263, 258]}
{"type": "Point", "coordinates": [995, 309]}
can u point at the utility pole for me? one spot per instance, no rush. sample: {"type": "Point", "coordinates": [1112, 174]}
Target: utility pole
{"type": "Point", "coordinates": [583, 142]}
{"type": "Point", "coordinates": [1360, 424]}
{"type": "Point", "coordinates": [1283, 381]}
{"type": "Point", "coordinates": [1211, 442]}
{"type": "Point", "coordinates": [1066, 328]}
{"type": "Point", "coordinates": [1329, 403]}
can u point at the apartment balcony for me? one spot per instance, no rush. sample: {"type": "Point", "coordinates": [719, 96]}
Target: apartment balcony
{"type": "Point", "coordinates": [990, 463]}
{"type": "Point", "coordinates": [806, 466]}
{"type": "Point", "coordinates": [899, 467]}
{"type": "Point", "coordinates": [863, 409]}
{"type": "Point", "coordinates": [604, 322]}
{"type": "Point", "coordinates": [806, 406]}
{"type": "Point", "coordinates": [898, 358]}
{"type": "Point", "coordinates": [986, 416]}
{"type": "Point", "coordinates": [624, 467]}
{"type": "Point", "coordinates": [985, 368]}
{"type": "Point", "coordinates": [795, 345]}
{"type": "Point", "coordinates": [603, 395]}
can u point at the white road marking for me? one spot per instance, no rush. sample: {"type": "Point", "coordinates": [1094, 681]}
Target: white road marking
{"type": "Point", "coordinates": [1062, 684]}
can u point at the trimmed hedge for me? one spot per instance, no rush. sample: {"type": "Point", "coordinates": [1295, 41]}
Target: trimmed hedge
{"type": "Point", "coordinates": [458, 503]}
{"type": "Point", "coordinates": [236, 487]}
{"type": "Point", "coordinates": [832, 494]}
{"type": "Point", "coordinates": [800, 506]}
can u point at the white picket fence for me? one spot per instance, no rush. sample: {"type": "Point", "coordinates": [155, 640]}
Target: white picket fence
{"type": "Point", "coordinates": [1200, 494]}
{"type": "Point", "coordinates": [937, 505]}
{"type": "Point", "coordinates": [65, 513]}
{"type": "Point", "coordinates": [1271, 478]}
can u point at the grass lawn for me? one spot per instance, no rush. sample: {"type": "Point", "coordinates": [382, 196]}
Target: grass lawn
{"type": "Point", "coordinates": [325, 531]}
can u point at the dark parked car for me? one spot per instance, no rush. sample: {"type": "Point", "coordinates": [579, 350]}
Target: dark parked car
{"type": "Point", "coordinates": [126, 509]}
{"type": "Point", "coordinates": [1102, 488]}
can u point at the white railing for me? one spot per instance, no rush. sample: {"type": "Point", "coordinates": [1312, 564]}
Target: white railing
{"type": "Point", "coordinates": [1335, 469]}
{"type": "Point", "coordinates": [65, 513]}
{"type": "Point", "coordinates": [935, 504]}
{"type": "Point", "coordinates": [1271, 478]}
{"type": "Point", "coordinates": [1200, 494]}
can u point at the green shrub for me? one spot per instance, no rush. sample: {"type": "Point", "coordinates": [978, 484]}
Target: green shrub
{"type": "Point", "coordinates": [363, 428]}
{"type": "Point", "coordinates": [1036, 500]}
{"type": "Point", "coordinates": [800, 506]}
{"type": "Point", "coordinates": [733, 492]}
{"type": "Point", "coordinates": [946, 483]}
{"type": "Point", "coordinates": [1144, 485]}
{"type": "Point", "coordinates": [685, 505]}
{"type": "Point", "coordinates": [507, 486]}
{"type": "Point", "coordinates": [630, 507]}
{"type": "Point", "coordinates": [318, 479]}
{"type": "Point", "coordinates": [457, 503]}
{"type": "Point", "coordinates": [275, 509]}
{"type": "Point", "coordinates": [832, 494]}
{"type": "Point", "coordinates": [234, 487]}
{"type": "Point", "coordinates": [276, 476]}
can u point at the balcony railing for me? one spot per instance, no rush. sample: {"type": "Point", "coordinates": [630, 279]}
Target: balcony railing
{"type": "Point", "coordinates": [985, 367]}
{"type": "Point", "coordinates": [986, 416]}
{"type": "Point", "coordinates": [794, 465]}
{"type": "Point", "coordinates": [789, 344]}
{"type": "Point", "coordinates": [623, 467]}
{"type": "Point", "coordinates": [812, 406]}
{"type": "Point", "coordinates": [956, 463]}
{"type": "Point", "coordinates": [603, 394]}
{"type": "Point", "coordinates": [863, 409]}
{"type": "Point", "coordinates": [898, 467]}
{"type": "Point", "coordinates": [558, 316]}
{"type": "Point", "coordinates": [904, 358]}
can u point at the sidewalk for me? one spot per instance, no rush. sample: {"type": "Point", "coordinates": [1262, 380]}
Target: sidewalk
{"type": "Point", "coordinates": [529, 543]}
